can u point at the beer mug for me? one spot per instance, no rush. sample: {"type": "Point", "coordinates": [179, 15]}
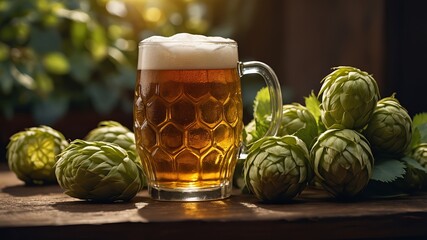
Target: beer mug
{"type": "Point", "coordinates": [188, 114]}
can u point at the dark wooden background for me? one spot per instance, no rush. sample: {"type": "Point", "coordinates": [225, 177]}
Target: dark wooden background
{"type": "Point", "coordinates": [302, 40]}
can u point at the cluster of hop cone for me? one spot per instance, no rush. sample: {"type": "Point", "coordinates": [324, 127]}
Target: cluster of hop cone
{"type": "Point", "coordinates": [334, 142]}
{"type": "Point", "coordinates": [101, 167]}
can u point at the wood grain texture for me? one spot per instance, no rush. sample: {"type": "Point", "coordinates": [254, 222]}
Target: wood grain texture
{"type": "Point", "coordinates": [44, 212]}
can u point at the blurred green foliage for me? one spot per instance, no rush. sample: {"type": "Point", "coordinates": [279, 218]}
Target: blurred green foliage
{"type": "Point", "coordinates": [56, 55]}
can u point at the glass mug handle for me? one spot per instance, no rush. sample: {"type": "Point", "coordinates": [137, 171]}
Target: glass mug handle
{"type": "Point", "coordinates": [270, 78]}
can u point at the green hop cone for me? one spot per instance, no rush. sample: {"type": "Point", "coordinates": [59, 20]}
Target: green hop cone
{"type": "Point", "coordinates": [342, 162]}
{"type": "Point", "coordinates": [98, 171]}
{"type": "Point", "coordinates": [415, 177]}
{"type": "Point", "coordinates": [277, 168]}
{"type": "Point", "coordinates": [419, 153]}
{"type": "Point", "coordinates": [32, 154]}
{"type": "Point", "coordinates": [296, 120]}
{"type": "Point", "coordinates": [238, 179]}
{"type": "Point", "coordinates": [114, 132]}
{"type": "Point", "coordinates": [349, 97]}
{"type": "Point", "coordinates": [390, 129]}
{"type": "Point", "coordinates": [250, 133]}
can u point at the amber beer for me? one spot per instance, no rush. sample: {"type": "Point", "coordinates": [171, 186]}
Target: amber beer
{"type": "Point", "coordinates": [188, 118]}
{"type": "Point", "coordinates": [188, 114]}
{"type": "Point", "coordinates": [188, 125]}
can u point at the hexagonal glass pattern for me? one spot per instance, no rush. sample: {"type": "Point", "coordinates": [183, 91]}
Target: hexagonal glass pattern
{"type": "Point", "coordinates": [196, 91]}
{"type": "Point", "coordinates": [187, 165]}
{"type": "Point", "coordinates": [189, 126]}
{"type": "Point", "coordinates": [210, 111]}
{"type": "Point", "coordinates": [170, 91]}
{"type": "Point", "coordinates": [199, 137]}
{"type": "Point", "coordinates": [212, 164]}
{"type": "Point", "coordinates": [171, 137]}
{"type": "Point", "coordinates": [149, 133]}
{"type": "Point", "coordinates": [217, 91]}
{"type": "Point", "coordinates": [231, 112]}
{"type": "Point", "coordinates": [156, 110]}
{"type": "Point", "coordinates": [224, 136]}
{"type": "Point", "coordinates": [164, 166]}
{"type": "Point", "coordinates": [139, 111]}
{"type": "Point", "coordinates": [183, 112]}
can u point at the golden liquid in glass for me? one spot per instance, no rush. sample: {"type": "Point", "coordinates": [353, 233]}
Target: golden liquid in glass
{"type": "Point", "coordinates": [188, 126]}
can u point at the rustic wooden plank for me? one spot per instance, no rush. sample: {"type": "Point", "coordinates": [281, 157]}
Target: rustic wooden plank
{"type": "Point", "coordinates": [45, 212]}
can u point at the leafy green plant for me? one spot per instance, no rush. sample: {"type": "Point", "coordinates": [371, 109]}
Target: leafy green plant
{"type": "Point", "coordinates": [58, 54]}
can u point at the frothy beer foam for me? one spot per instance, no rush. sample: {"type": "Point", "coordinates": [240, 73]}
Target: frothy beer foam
{"type": "Point", "coordinates": [187, 51]}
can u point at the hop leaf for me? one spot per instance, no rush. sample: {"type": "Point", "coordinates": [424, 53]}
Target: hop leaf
{"type": "Point", "coordinates": [415, 178]}
{"type": "Point", "coordinates": [258, 127]}
{"type": "Point", "coordinates": [388, 170]}
{"type": "Point", "coordinates": [98, 171]}
{"type": "Point", "coordinates": [420, 119]}
{"type": "Point", "coordinates": [312, 104]}
{"type": "Point", "coordinates": [262, 107]}
{"type": "Point", "coordinates": [419, 127]}
{"type": "Point", "coordinates": [32, 154]}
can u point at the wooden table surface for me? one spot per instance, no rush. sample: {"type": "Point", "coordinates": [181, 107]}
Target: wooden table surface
{"type": "Point", "coordinates": [44, 212]}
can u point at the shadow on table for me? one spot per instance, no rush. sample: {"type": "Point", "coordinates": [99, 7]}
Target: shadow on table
{"type": "Point", "coordinates": [235, 208]}
{"type": "Point", "coordinates": [31, 190]}
{"type": "Point", "coordinates": [82, 206]}
{"type": "Point", "coordinates": [181, 211]}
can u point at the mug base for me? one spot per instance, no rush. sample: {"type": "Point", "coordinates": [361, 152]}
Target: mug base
{"type": "Point", "coordinates": [191, 195]}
